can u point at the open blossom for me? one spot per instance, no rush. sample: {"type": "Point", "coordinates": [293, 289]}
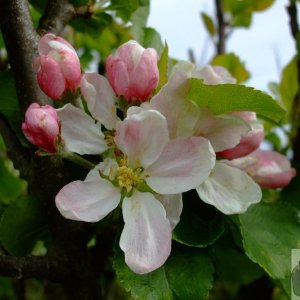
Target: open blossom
{"type": "Point", "coordinates": [57, 66]}
{"type": "Point", "coordinates": [132, 71]}
{"type": "Point", "coordinates": [268, 168]}
{"type": "Point", "coordinates": [167, 167]}
{"type": "Point", "coordinates": [41, 126]}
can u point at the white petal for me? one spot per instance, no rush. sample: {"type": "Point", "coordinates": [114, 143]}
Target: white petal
{"type": "Point", "coordinates": [88, 201]}
{"type": "Point", "coordinates": [100, 99]}
{"type": "Point", "coordinates": [142, 137]}
{"type": "Point", "coordinates": [146, 237]}
{"type": "Point", "coordinates": [183, 165]}
{"type": "Point", "coordinates": [79, 131]}
{"type": "Point", "coordinates": [229, 189]}
{"type": "Point", "coordinates": [173, 206]}
{"type": "Point", "coordinates": [224, 132]}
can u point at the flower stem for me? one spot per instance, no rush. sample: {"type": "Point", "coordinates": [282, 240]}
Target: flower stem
{"type": "Point", "coordinates": [75, 158]}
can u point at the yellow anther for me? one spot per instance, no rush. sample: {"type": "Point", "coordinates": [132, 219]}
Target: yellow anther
{"type": "Point", "coordinates": [127, 178]}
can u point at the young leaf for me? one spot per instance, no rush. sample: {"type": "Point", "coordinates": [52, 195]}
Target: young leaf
{"type": "Point", "coordinates": [21, 224]}
{"type": "Point", "coordinates": [233, 64]}
{"type": "Point", "coordinates": [225, 98]}
{"type": "Point", "coordinates": [208, 23]}
{"type": "Point", "coordinates": [163, 67]}
{"type": "Point", "coordinates": [269, 233]}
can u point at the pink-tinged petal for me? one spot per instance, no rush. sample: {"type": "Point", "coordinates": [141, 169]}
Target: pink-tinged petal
{"type": "Point", "coordinates": [88, 201]}
{"type": "Point", "coordinates": [223, 132]}
{"type": "Point", "coordinates": [142, 137]}
{"type": "Point", "coordinates": [79, 132]}
{"type": "Point", "coordinates": [183, 165]}
{"type": "Point", "coordinates": [100, 99]}
{"type": "Point", "coordinates": [248, 143]}
{"type": "Point", "coordinates": [214, 75]}
{"type": "Point", "coordinates": [181, 114]}
{"type": "Point", "coordinates": [173, 206]}
{"type": "Point", "coordinates": [50, 78]}
{"type": "Point", "coordinates": [248, 116]}
{"type": "Point", "coordinates": [43, 46]}
{"type": "Point", "coordinates": [146, 237]}
{"type": "Point", "coordinates": [229, 189]}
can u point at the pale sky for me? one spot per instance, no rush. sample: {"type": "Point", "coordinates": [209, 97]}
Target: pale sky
{"type": "Point", "coordinates": [265, 48]}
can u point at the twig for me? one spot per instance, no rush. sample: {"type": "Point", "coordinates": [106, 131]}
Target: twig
{"type": "Point", "coordinates": [221, 27]}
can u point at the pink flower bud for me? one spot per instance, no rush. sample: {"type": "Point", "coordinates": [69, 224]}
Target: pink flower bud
{"type": "Point", "coordinates": [249, 142]}
{"type": "Point", "coordinates": [268, 168]}
{"type": "Point", "coordinates": [57, 66]}
{"type": "Point", "coordinates": [132, 71]}
{"type": "Point", "coordinates": [41, 126]}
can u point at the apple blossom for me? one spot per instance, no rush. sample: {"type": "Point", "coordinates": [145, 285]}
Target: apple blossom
{"type": "Point", "coordinates": [41, 126]}
{"type": "Point", "coordinates": [268, 168]}
{"type": "Point", "coordinates": [147, 174]}
{"type": "Point", "coordinates": [57, 66]}
{"type": "Point", "coordinates": [132, 71]}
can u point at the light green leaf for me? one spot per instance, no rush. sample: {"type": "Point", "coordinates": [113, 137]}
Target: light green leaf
{"type": "Point", "coordinates": [11, 186]}
{"type": "Point", "coordinates": [21, 224]}
{"type": "Point", "coordinates": [163, 65]}
{"type": "Point", "coordinates": [269, 233]}
{"type": "Point", "coordinates": [152, 39]}
{"type": "Point", "coordinates": [260, 5]}
{"type": "Point", "coordinates": [288, 86]}
{"type": "Point", "coordinates": [227, 98]}
{"type": "Point", "coordinates": [139, 19]}
{"type": "Point", "coordinates": [233, 64]}
{"type": "Point", "coordinates": [200, 224]}
{"type": "Point", "coordinates": [123, 8]}
{"type": "Point", "coordinates": [154, 285]}
{"type": "Point", "coordinates": [208, 23]}
{"type": "Point", "coordinates": [190, 273]}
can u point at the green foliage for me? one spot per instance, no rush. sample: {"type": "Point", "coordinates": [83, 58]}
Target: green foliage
{"type": "Point", "coordinates": [150, 38]}
{"type": "Point", "coordinates": [188, 274]}
{"type": "Point", "coordinates": [208, 24]}
{"type": "Point", "coordinates": [11, 186]}
{"type": "Point", "coordinates": [6, 289]}
{"type": "Point", "coordinates": [22, 224]}
{"type": "Point", "coordinates": [269, 233]}
{"type": "Point", "coordinates": [200, 224]}
{"type": "Point", "coordinates": [288, 86]}
{"type": "Point", "coordinates": [233, 64]}
{"type": "Point", "coordinates": [163, 67]}
{"type": "Point", "coordinates": [227, 98]}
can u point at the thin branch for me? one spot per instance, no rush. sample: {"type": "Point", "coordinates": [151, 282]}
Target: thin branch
{"type": "Point", "coordinates": [21, 40]}
{"type": "Point", "coordinates": [221, 27]}
{"type": "Point", "coordinates": [58, 14]}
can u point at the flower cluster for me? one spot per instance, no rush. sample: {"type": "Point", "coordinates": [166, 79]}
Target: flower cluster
{"type": "Point", "coordinates": [164, 146]}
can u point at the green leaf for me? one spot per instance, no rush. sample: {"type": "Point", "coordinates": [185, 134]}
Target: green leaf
{"type": "Point", "coordinates": [225, 98]}
{"type": "Point", "coordinates": [152, 286]}
{"type": "Point", "coordinates": [21, 225]}
{"type": "Point", "coordinates": [200, 224]}
{"type": "Point", "coordinates": [151, 39]}
{"type": "Point", "coordinates": [208, 23]}
{"type": "Point", "coordinates": [139, 19]}
{"type": "Point", "coordinates": [124, 9]}
{"type": "Point", "coordinates": [233, 64]}
{"type": "Point", "coordinates": [163, 65]}
{"type": "Point", "coordinates": [11, 186]}
{"type": "Point", "coordinates": [269, 233]}
{"type": "Point", "coordinates": [288, 86]}
{"type": "Point", "coordinates": [8, 101]}
{"type": "Point", "coordinates": [260, 5]}
{"type": "Point", "coordinates": [190, 273]}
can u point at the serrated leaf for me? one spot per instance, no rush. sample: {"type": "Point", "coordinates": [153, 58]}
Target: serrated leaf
{"type": "Point", "coordinates": [200, 224]}
{"type": "Point", "coordinates": [269, 233]}
{"type": "Point", "coordinates": [225, 98]}
{"type": "Point", "coordinates": [208, 23]}
{"type": "Point", "coordinates": [21, 224]}
{"type": "Point", "coordinates": [154, 285]}
{"type": "Point", "coordinates": [190, 273]}
{"type": "Point", "coordinates": [233, 64]}
{"type": "Point", "coordinates": [163, 67]}
{"type": "Point", "coordinates": [288, 86]}
{"type": "Point", "coordinates": [11, 186]}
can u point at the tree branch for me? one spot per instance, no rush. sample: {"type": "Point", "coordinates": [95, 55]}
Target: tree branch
{"type": "Point", "coordinates": [221, 27]}
{"type": "Point", "coordinates": [21, 41]}
{"type": "Point", "coordinates": [58, 14]}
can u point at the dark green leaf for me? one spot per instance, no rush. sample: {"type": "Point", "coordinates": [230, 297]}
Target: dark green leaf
{"type": "Point", "coordinates": [200, 224]}
{"type": "Point", "coordinates": [208, 23]}
{"type": "Point", "coordinates": [227, 98]}
{"type": "Point", "coordinates": [152, 286]}
{"type": "Point", "coordinates": [233, 64]}
{"type": "Point", "coordinates": [269, 232]}
{"type": "Point", "coordinates": [190, 273]}
{"type": "Point", "coordinates": [11, 186]}
{"type": "Point", "coordinates": [21, 225]}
